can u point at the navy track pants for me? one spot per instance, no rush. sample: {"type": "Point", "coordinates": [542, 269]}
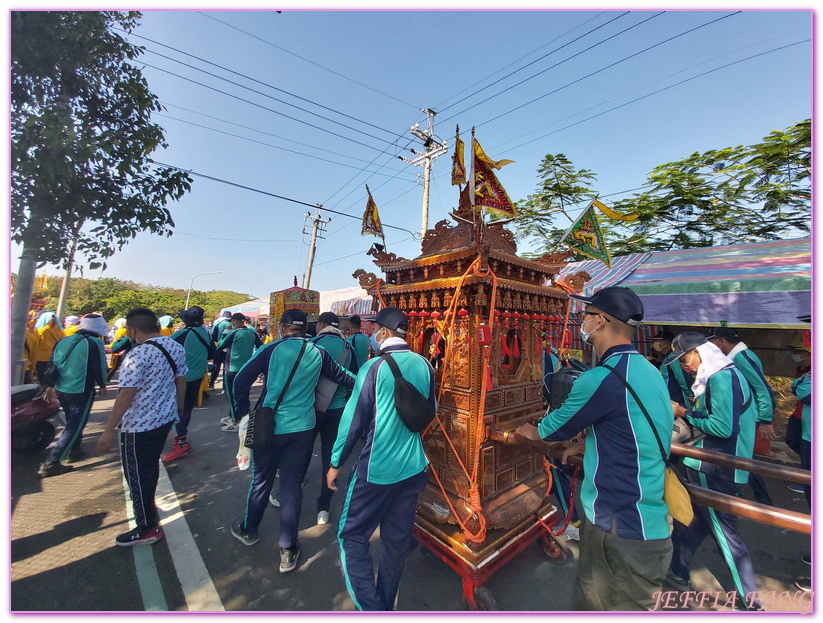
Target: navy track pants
{"type": "Point", "coordinates": [723, 529]}
{"type": "Point", "coordinates": [326, 426]}
{"type": "Point", "coordinates": [181, 428]}
{"type": "Point", "coordinates": [288, 454]}
{"type": "Point", "coordinates": [76, 408]}
{"type": "Point", "coordinates": [140, 455]}
{"type": "Point", "coordinates": [368, 506]}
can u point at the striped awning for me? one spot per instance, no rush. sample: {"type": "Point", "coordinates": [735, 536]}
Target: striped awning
{"type": "Point", "coordinates": [601, 275]}
{"type": "Point", "coordinates": [346, 301]}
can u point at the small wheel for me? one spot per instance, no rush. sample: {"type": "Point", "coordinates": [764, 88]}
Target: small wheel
{"type": "Point", "coordinates": [555, 552]}
{"type": "Point", "coordinates": [484, 600]}
{"type": "Point", "coordinates": [34, 440]}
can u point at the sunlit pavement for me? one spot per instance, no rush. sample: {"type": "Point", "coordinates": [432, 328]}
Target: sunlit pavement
{"type": "Point", "coordinates": [63, 555]}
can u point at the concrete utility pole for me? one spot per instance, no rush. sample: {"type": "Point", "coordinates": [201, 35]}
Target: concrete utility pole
{"type": "Point", "coordinates": [433, 149]}
{"type": "Point", "coordinates": [318, 224]}
{"type": "Point", "coordinates": [64, 289]}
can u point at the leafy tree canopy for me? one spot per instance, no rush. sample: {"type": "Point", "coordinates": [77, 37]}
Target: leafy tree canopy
{"type": "Point", "coordinates": [81, 137]}
{"type": "Point", "coordinates": [727, 196]}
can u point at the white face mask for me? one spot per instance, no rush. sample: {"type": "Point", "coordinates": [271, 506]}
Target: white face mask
{"type": "Point", "coordinates": [585, 335]}
{"type": "Point", "coordinates": [797, 357]}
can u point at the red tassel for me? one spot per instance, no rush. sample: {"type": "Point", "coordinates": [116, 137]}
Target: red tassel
{"type": "Point", "coordinates": [504, 347]}
{"type": "Point", "coordinates": [488, 380]}
{"type": "Point", "coordinates": [516, 347]}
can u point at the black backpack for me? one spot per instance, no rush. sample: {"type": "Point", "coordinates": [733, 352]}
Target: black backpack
{"type": "Point", "coordinates": [413, 408]}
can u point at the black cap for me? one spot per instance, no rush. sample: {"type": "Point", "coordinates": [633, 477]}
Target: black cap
{"type": "Point", "coordinates": [393, 319]}
{"type": "Point", "coordinates": [311, 329]}
{"type": "Point", "coordinates": [805, 318]}
{"type": "Point", "coordinates": [293, 317]}
{"type": "Point", "coordinates": [663, 335]}
{"type": "Point", "coordinates": [226, 314]}
{"type": "Point", "coordinates": [685, 342]}
{"type": "Point", "coordinates": [329, 318]}
{"type": "Point", "coordinates": [727, 333]}
{"type": "Point", "coordinates": [237, 316]}
{"type": "Point", "coordinates": [192, 317]}
{"type": "Point", "coordinates": [620, 303]}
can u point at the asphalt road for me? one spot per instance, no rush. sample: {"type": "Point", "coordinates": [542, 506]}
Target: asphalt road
{"type": "Point", "coordinates": [63, 556]}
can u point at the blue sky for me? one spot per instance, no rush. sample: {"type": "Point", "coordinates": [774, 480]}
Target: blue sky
{"type": "Point", "coordinates": [381, 68]}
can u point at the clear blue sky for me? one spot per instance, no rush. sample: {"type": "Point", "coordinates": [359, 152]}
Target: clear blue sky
{"type": "Point", "coordinates": [381, 69]}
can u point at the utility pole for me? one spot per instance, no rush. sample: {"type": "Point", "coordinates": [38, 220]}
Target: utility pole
{"type": "Point", "coordinates": [64, 289]}
{"type": "Point", "coordinates": [433, 150]}
{"type": "Point", "coordinates": [318, 225]}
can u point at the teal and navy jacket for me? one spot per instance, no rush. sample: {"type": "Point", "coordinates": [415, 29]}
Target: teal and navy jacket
{"type": "Point", "coordinates": [391, 452]}
{"type": "Point", "coordinates": [802, 388]}
{"type": "Point", "coordinates": [622, 465]}
{"type": "Point", "coordinates": [678, 382]}
{"type": "Point", "coordinates": [85, 366]}
{"type": "Point", "coordinates": [239, 345]}
{"type": "Point", "coordinates": [550, 363]}
{"type": "Point", "coordinates": [199, 349]}
{"type": "Point", "coordinates": [275, 361]}
{"type": "Point", "coordinates": [360, 343]}
{"type": "Point", "coordinates": [335, 344]}
{"type": "Point", "coordinates": [722, 413]}
{"type": "Point", "coordinates": [752, 370]}
{"type": "Point", "coordinates": [220, 328]}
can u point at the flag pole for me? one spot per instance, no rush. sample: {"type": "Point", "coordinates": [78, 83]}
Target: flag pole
{"type": "Point", "coordinates": [571, 227]}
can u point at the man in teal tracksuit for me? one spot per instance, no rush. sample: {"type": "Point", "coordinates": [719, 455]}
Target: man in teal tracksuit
{"type": "Point", "coordinates": [199, 349]}
{"type": "Point", "coordinates": [221, 326]}
{"type": "Point", "coordinates": [334, 342]}
{"type": "Point", "coordinates": [238, 346]}
{"type": "Point", "coordinates": [389, 474]}
{"type": "Point", "coordinates": [82, 361]}
{"type": "Point", "coordinates": [748, 364]}
{"type": "Point", "coordinates": [359, 342]}
{"type": "Point", "coordinates": [625, 547]}
{"type": "Point", "coordinates": [293, 431]}
{"type": "Point", "coordinates": [724, 410]}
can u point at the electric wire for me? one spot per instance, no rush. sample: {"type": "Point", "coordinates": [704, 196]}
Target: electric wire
{"type": "Point", "coordinates": [180, 233]}
{"type": "Point", "coordinates": [643, 51]}
{"type": "Point", "coordinates": [302, 58]}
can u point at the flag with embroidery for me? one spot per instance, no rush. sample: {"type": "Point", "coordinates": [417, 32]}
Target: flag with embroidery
{"type": "Point", "coordinates": [488, 192]}
{"type": "Point", "coordinates": [614, 214]}
{"type": "Point", "coordinates": [458, 164]}
{"type": "Point", "coordinates": [371, 220]}
{"type": "Point", "coordinates": [584, 236]}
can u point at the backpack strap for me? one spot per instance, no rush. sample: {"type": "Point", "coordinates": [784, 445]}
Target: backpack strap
{"type": "Point", "coordinates": [392, 364]}
{"type": "Point", "coordinates": [291, 376]}
{"type": "Point", "coordinates": [168, 357]}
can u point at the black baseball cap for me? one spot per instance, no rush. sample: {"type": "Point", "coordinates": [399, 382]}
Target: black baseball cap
{"type": "Point", "coordinates": [663, 335]}
{"type": "Point", "coordinates": [686, 342]}
{"type": "Point", "coordinates": [620, 303]}
{"type": "Point", "coordinates": [293, 317]}
{"type": "Point", "coordinates": [393, 319]}
{"type": "Point", "coordinates": [238, 316]}
{"type": "Point", "coordinates": [727, 333]}
{"type": "Point", "coordinates": [805, 318]}
{"type": "Point", "coordinates": [329, 318]}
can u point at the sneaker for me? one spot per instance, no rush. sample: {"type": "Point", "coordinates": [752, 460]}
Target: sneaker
{"type": "Point", "coordinates": [322, 518]}
{"type": "Point", "coordinates": [47, 470]}
{"type": "Point", "coordinates": [804, 584]}
{"type": "Point", "coordinates": [140, 536]}
{"type": "Point", "coordinates": [572, 533]}
{"type": "Point", "coordinates": [239, 532]}
{"type": "Point", "coordinates": [806, 558]}
{"type": "Point", "coordinates": [795, 488]}
{"type": "Point", "coordinates": [230, 428]}
{"type": "Point", "coordinates": [76, 457]}
{"type": "Point", "coordinates": [179, 451]}
{"type": "Point", "coordinates": [225, 420]}
{"type": "Point", "coordinates": [274, 501]}
{"type": "Point", "coordinates": [681, 584]}
{"type": "Point", "coordinates": [288, 558]}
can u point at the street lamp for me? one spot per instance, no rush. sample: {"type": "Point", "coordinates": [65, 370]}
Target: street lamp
{"type": "Point", "coordinates": [217, 272]}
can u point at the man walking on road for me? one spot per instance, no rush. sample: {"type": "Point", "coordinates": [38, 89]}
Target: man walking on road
{"type": "Point", "coordinates": [152, 393]}
{"type": "Point", "coordinates": [239, 346]}
{"type": "Point", "coordinates": [221, 326]}
{"type": "Point", "coordinates": [291, 367]}
{"type": "Point", "coordinates": [359, 342]}
{"type": "Point", "coordinates": [199, 349]}
{"type": "Point", "coordinates": [82, 361]}
{"type": "Point", "coordinates": [390, 472]}
{"type": "Point", "coordinates": [624, 407]}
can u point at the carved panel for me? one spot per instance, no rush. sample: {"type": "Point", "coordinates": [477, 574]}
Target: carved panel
{"type": "Point", "coordinates": [514, 396]}
{"type": "Point", "coordinates": [494, 400]}
{"type": "Point", "coordinates": [523, 470]}
{"type": "Point", "coordinates": [487, 469]}
{"type": "Point", "coordinates": [459, 434]}
{"type": "Point", "coordinates": [504, 480]}
{"type": "Point", "coordinates": [533, 393]}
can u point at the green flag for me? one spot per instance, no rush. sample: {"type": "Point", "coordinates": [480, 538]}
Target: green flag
{"type": "Point", "coordinates": [585, 237]}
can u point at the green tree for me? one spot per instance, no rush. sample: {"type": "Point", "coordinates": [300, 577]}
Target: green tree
{"type": "Point", "coordinates": [81, 140]}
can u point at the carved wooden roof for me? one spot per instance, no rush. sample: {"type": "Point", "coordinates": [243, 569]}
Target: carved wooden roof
{"type": "Point", "coordinates": [451, 283]}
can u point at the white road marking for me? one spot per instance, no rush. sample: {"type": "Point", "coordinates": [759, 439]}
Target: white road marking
{"type": "Point", "coordinates": [197, 585]}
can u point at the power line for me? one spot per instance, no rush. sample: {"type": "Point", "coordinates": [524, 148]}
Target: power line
{"type": "Point", "coordinates": [529, 64]}
{"type": "Point", "coordinates": [237, 73]}
{"type": "Point", "coordinates": [302, 58]}
{"type": "Point", "coordinates": [180, 233]}
{"type": "Point", "coordinates": [276, 112]}
{"type": "Point", "coordinates": [265, 192]}
{"type": "Point", "coordinates": [337, 259]}
{"type": "Point", "coordinates": [252, 140]}
{"type": "Point", "coordinates": [643, 51]}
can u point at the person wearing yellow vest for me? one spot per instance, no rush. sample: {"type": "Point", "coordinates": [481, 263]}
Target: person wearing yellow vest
{"type": "Point", "coordinates": [49, 332]}
{"type": "Point", "coordinates": [165, 325]}
{"type": "Point", "coordinates": [72, 325]}
{"type": "Point", "coordinates": [30, 351]}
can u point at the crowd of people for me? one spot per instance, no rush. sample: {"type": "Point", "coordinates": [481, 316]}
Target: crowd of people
{"type": "Point", "coordinates": [319, 381]}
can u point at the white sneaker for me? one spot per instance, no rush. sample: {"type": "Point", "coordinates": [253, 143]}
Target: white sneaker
{"type": "Point", "coordinates": [225, 420]}
{"type": "Point", "coordinates": [572, 533]}
{"type": "Point", "coordinates": [322, 518]}
{"type": "Point", "coordinates": [230, 428]}
{"type": "Point", "coordinates": [274, 501]}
